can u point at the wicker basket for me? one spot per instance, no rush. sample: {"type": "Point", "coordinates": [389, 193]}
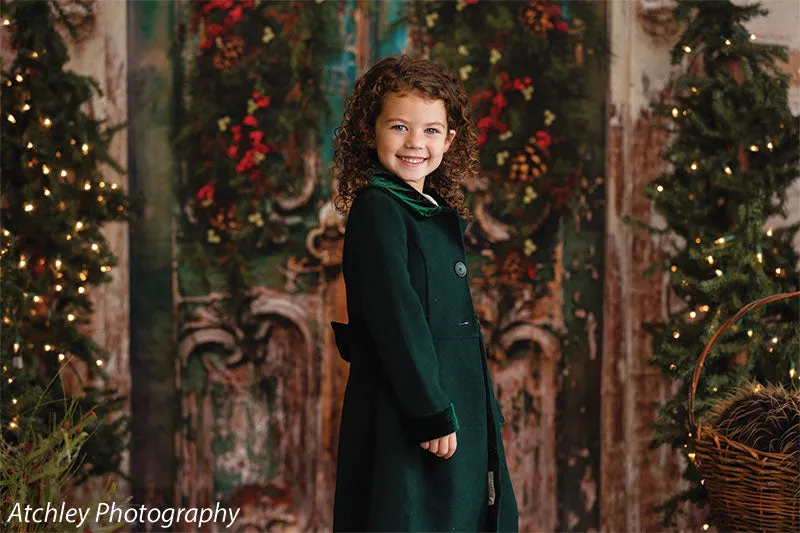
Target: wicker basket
{"type": "Point", "coordinates": [750, 490]}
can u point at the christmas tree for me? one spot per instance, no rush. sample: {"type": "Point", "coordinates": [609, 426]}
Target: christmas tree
{"type": "Point", "coordinates": [54, 205]}
{"type": "Point", "coordinates": [733, 155]}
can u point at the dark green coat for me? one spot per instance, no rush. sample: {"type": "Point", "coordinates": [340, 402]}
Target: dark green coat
{"type": "Point", "coordinates": [417, 372]}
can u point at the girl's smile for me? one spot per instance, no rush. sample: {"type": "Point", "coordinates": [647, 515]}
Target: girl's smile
{"type": "Point", "coordinates": [411, 136]}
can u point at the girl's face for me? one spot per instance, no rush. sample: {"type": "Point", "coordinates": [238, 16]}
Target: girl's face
{"type": "Point", "coordinates": [411, 136]}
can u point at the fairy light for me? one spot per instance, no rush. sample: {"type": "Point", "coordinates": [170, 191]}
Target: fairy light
{"type": "Point", "coordinates": [78, 225]}
{"type": "Point", "coordinates": [728, 170]}
{"type": "Point", "coordinates": [760, 257]}
{"type": "Point", "coordinates": [12, 425]}
{"type": "Point", "coordinates": [721, 240]}
{"type": "Point", "coordinates": [697, 240]}
{"type": "Point", "coordinates": [14, 400]}
{"type": "Point", "coordinates": [769, 145]}
{"type": "Point", "coordinates": [59, 288]}
{"type": "Point", "coordinates": [692, 314]}
{"type": "Point", "coordinates": [34, 55]}
{"type": "Point", "coordinates": [95, 247]}
{"type": "Point", "coordinates": [30, 145]}
{"type": "Point", "coordinates": [85, 149]}
{"type": "Point", "coordinates": [46, 191]}
{"type": "Point", "coordinates": [114, 186]}
{"type": "Point", "coordinates": [778, 271]}
{"type": "Point", "coordinates": [87, 186]}
{"type": "Point", "coordinates": [58, 263]}
{"type": "Point", "coordinates": [672, 367]}
{"type": "Point", "coordinates": [47, 122]}
{"type": "Point", "coordinates": [792, 372]}
{"type": "Point", "coordinates": [757, 388]}
{"type": "Point", "coordinates": [752, 36]}
{"type": "Point", "coordinates": [99, 362]}
{"type": "Point", "coordinates": [687, 48]}
{"type": "Point", "coordinates": [45, 170]}
{"type": "Point", "coordinates": [774, 340]}
{"type": "Point", "coordinates": [81, 290]}
{"type": "Point", "coordinates": [710, 260]}
{"type": "Point", "coordinates": [660, 188]}
{"type": "Point", "coordinates": [105, 268]}
{"type": "Point", "coordinates": [693, 166]}
{"type": "Point", "coordinates": [692, 455]}
{"type": "Point", "coordinates": [47, 347]}
{"type": "Point", "coordinates": [82, 275]}
{"type": "Point", "coordinates": [674, 268]}
{"type": "Point", "coordinates": [753, 148]}
{"type": "Point", "coordinates": [70, 317]}
{"type": "Point", "coordinates": [727, 42]}
{"type": "Point", "coordinates": [6, 22]}
{"type": "Point", "coordinates": [675, 112]}
{"type": "Point", "coordinates": [718, 272]}
{"type": "Point", "coordinates": [769, 232]}
{"type": "Point", "coordinates": [102, 184]}
{"type": "Point", "coordinates": [61, 357]}
{"type": "Point", "coordinates": [26, 107]}
{"type": "Point", "coordinates": [676, 334]}
{"type": "Point", "coordinates": [22, 261]}
{"type": "Point", "coordinates": [16, 348]}
{"type": "Point", "coordinates": [63, 173]}
{"type": "Point", "coordinates": [749, 332]}
{"type": "Point", "coordinates": [715, 389]}
{"type": "Point", "coordinates": [37, 299]}
{"type": "Point", "coordinates": [705, 527]}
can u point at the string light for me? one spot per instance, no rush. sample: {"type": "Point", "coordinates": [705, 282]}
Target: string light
{"type": "Point", "coordinates": [675, 112]}
{"type": "Point", "coordinates": [753, 148]}
{"type": "Point", "coordinates": [22, 261]}
{"type": "Point", "coordinates": [769, 145]}
{"type": "Point", "coordinates": [63, 173]}
{"type": "Point", "coordinates": [692, 314]}
{"type": "Point", "coordinates": [674, 268]}
{"type": "Point", "coordinates": [727, 42]}
{"type": "Point", "coordinates": [100, 198]}
{"type": "Point", "coordinates": [95, 247]}
{"type": "Point", "coordinates": [99, 362]}
{"type": "Point", "coordinates": [705, 527]}
{"type": "Point", "coordinates": [715, 389]}
{"type": "Point", "coordinates": [30, 145]}
{"type": "Point", "coordinates": [769, 232]}
{"type": "Point", "coordinates": [70, 317]}
{"type": "Point", "coordinates": [102, 184]}
{"type": "Point", "coordinates": [114, 186]}
{"type": "Point", "coordinates": [697, 240]}
{"type": "Point", "coordinates": [12, 425]}
{"type": "Point", "coordinates": [37, 299]}
{"type": "Point", "coordinates": [59, 288]}
{"type": "Point", "coordinates": [47, 122]}
{"type": "Point", "coordinates": [672, 367]}
{"type": "Point", "coordinates": [11, 119]}
{"type": "Point", "coordinates": [752, 36]}
{"type": "Point", "coordinates": [34, 55]}
{"type": "Point", "coordinates": [87, 186]}
{"type": "Point", "coordinates": [757, 388]}
{"type": "Point", "coordinates": [58, 263]}
{"type": "Point", "coordinates": [760, 257]}
{"type": "Point", "coordinates": [19, 78]}
{"type": "Point", "coordinates": [46, 191]}
{"type": "Point", "coordinates": [14, 400]}
{"type": "Point", "coordinates": [105, 268]}
{"type": "Point", "coordinates": [660, 188]}
{"type": "Point", "coordinates": [728, 170]}
{"type": "Point", "coordinates": [45, 170]}
{"type": "Point", "coordinates": [81, 290]}
{"type": "Point", "coordinates": [85, 148]}
{"type": "Point", "coordinates": [26, 107]}
{"type": "Point", "coordinates": [692, 455]}
{"type": "Point", "coordinates": [792, 372]}
{"type": "Point", "coordinates": [47, 347]}
{"type": "Point", "coordinates": [710, 260]}
{"type": "Point", "coordinates": [676, 334]}
{"type": "Point", "coordinates": [778, 271]}
{"type": "Point", "coordinates": [721, 240]}
{"type": "Point", "coordinates": [693, 166]}
{"type": "Point", "coordinates": [749, 332]}
{"type": "Point", "coordinates": [718, 272]}
{"type": "Point", "coordinates": [78, 225]}
{"type": "Point", "coordinates": [60, 357]}
{"type": "Point", "coordinates": [16, 348]}
{"type": "Point", "coordinates": [6, 22]}
{"type": "Point", "coordinates": [774, 340]}
{"type": "Point", "coordinates": [82, 275]}
{"type": "Point", "coordinates": [687, 48]}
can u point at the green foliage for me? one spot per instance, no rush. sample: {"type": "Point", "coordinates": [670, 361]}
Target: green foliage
{"type": "Point", "coordinates": [55, 204]}
{"type": "Point", "coordinates": [37, 467]}
{"type": "Point", "coordinates": [732, 158]}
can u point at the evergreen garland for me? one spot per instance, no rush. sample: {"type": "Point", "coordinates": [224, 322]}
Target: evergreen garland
{"type": "Point", "coordinates": [55, 203]}
{"type": "Point", "coordinates": [733, 155]}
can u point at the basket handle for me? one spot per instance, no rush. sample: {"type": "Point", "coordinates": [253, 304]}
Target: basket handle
{"type": "Point", "coordinates": [743, 311]}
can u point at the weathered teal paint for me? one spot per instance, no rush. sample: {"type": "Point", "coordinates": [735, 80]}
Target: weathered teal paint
{"type": "Point", "coordinates": [153, 396]}
{"type": "Point", "coordinates": [340, 74]}
{"type": "Point", "coordinates": [391, 38]}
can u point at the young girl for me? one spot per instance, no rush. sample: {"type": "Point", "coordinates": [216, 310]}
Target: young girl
{"type": "Point", "coordinates": [419, 446]}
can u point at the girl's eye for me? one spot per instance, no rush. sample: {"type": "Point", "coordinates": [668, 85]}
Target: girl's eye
{"type": "Point", "coordinates": [398, 126]}
{"type": "Point", "coordinates": [433, 130]}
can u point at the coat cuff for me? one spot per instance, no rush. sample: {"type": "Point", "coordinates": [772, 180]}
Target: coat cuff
{"type": "Point", "coordinates": [433, 426]}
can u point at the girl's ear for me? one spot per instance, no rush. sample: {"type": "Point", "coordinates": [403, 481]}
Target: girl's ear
{"type": "Point", "coordinates": [449, 140]}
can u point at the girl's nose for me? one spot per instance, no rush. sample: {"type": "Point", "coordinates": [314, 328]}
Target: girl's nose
{"type": "Point", "coordinates": [413, 140]}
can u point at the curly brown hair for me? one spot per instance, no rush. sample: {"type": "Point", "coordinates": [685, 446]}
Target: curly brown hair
{"type": "Point", "coordinates": [355, 160]}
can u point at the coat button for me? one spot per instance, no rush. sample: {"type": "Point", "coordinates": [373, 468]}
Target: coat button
{"type": "Point", "coordinates": [461, 269]}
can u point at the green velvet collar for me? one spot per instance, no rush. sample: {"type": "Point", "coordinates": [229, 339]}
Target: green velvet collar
{"type": "Point", "coordinates": [407, 194]}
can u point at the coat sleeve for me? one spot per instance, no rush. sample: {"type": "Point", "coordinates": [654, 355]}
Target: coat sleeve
{"type": "Point", "coordinates": [377, 255]}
